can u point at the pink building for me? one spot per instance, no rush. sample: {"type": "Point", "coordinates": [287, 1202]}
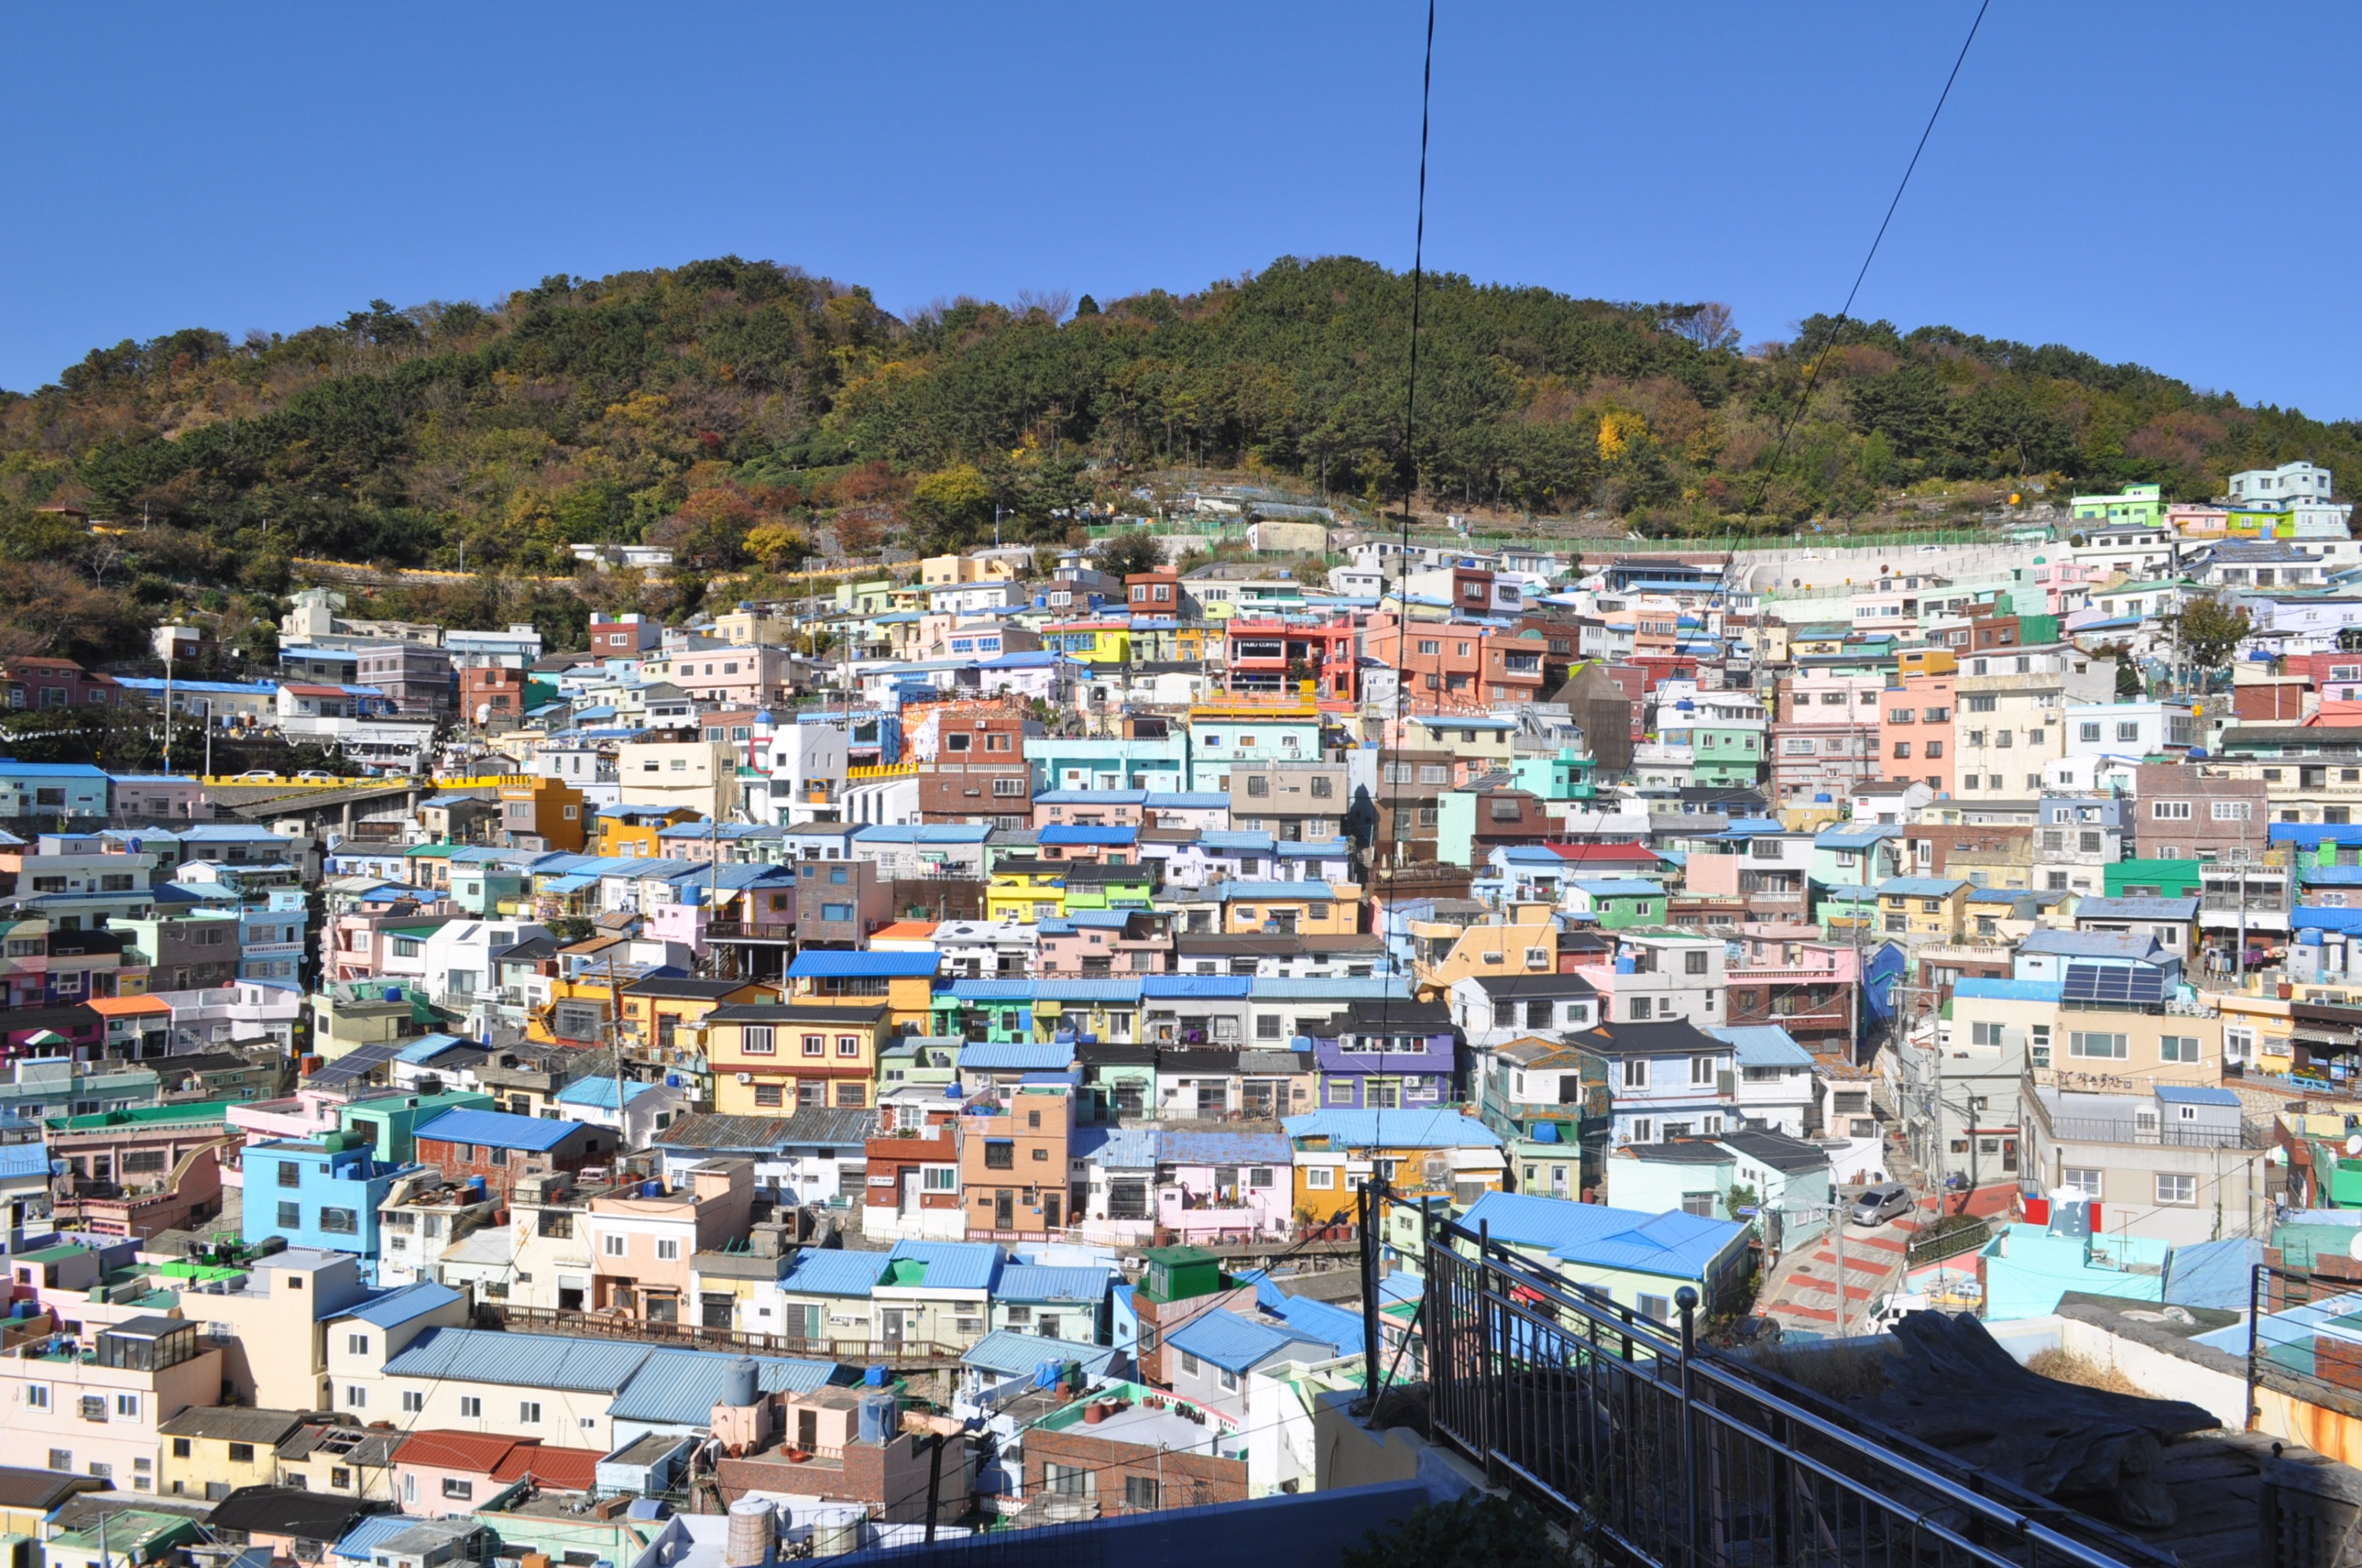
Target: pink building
{"type": "Point", "coordinates": [446, 1474]}
{"type": "Point", "coordinates": [644, 1246]}
{"type": "Point", "coordinates": [1106, 941]}
{"type": "Point", "coordinates": [1225, 1187]}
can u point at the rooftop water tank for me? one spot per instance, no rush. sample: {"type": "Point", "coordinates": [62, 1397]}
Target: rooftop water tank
{"type": "Point", "coordinates": [1546, 1133]}
{"type": "Point", "coordinates": [753, 1535]}
{"type": "Point", "coordinates": [881, 1418]}
{"type": "Point", "coordinates": [739, 1387]}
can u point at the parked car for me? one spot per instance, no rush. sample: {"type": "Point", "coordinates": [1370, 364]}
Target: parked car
{"type": "Point", "coordinates": [313, 776]}
{"type": "Point", "coordinates": [1877, 1204]}
{"type": "Point", "coordinates": [258, 775]}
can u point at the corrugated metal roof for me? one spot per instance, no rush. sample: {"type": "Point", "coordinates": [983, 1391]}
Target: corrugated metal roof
{"type": "Point", "coordinates": [1674, 1244]}
{"type": "Point", "coordinates": [1038, 1281]}
{"type": "Point", "coordinates": [1394, 1129]}
{"type": "Point", "coordinates": [1195, 984]}
{"type": "Point", "coordinates": [2195, 1094]}
{"type": "Point", "coordinates": [599, 1093]}
{"type": "Point", "coordinates": [680, 1387]}
{"type": "Point", "coordinates": [821, 1126]}
{"type": "Point", "coordinates": [815, 963]}
{"type": "Point", "coordinates": [1046, 991]}
{"type": "Point", "coordinates": [1322, 1320]}
{"type": "Point", "coordinates": [1239, 1344]}
{"type": "Point", "coordinates": [541, 1360]}
{"type": "Point", "coordinates": [1013, 1354]}
{"type": "Point", "coordinates": [1341, 988]}
{"type": "Point", "coordinates": [2007, 990]}
{"type": "Point", "coordinates": [500, 1130]}
{"type": "Point", "coordinates": [1919, 887]}
{"type": "Point", "coordinates": [362, 1539]}
{"type": "Point", "coordinates": [403, 1304]}
{"type": "Point", "coordinates": [1119, 1148]}
{"type": "Point", "coordinates": [1763, 1045]}
{"type": "Point", "coordinates": [1016, 1055]}
{"type": "Point", "coordinates": [952, 1265]}
{"type": "Point", "coordinates": [818, 1271]}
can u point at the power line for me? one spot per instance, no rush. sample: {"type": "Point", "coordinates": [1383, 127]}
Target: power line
{"type": "Point", "coordinates": [1845, 313]}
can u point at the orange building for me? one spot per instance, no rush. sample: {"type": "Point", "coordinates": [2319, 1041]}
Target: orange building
{"type": "Point", "coordinates": [1914, 735]}
{"type": "Point", "coordinates": [542, 813]}
{"type": "Point", "coordinates": [1013, 1165]}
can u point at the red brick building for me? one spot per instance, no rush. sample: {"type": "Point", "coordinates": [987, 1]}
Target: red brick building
{"type": "Point", "coordinates": [979, 773]}
{"type": "Point", "coordinates": [504, 1149]}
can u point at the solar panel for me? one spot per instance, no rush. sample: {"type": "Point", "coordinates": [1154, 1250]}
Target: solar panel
{"type": "Point", "coordinates": [353, 1066]}
{"type": "Point", "coordinates": [2129, 984]}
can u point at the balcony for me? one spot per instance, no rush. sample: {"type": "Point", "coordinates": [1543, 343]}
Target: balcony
{"type": "Point", "coordinates": [2252, 1134]}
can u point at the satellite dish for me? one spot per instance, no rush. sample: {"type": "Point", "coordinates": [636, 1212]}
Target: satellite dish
{"type": "Point", "coordinates": [2354, 1247]}
{"type": "Point", "coordinates": [2353, 1145]}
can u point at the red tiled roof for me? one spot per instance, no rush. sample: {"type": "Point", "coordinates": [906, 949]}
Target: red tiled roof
{"type": "Point", "coordinates": [478, 1452]}
{"type": "Point", "coordinates": [559, 1469]}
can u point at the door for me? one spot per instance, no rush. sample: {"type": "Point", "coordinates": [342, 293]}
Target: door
{"type": "Point", "coordinates": [1004, 1210]}
{"type": "Point", "coordinates": [716, 1311]}
{"type": "Point", "coordinates": [893, 1323]}
{"type": "Point", "coordinates": [910, 1200]}
{"type": "Point", "coordinates": [1051, 1210]}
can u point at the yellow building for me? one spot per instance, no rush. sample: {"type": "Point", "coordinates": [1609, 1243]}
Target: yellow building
{"type": "Point", "coordinates": [212, 1449]}
{"type": "Point", "coordinates": [1933, 907]}
{"type": "Point", "coordinates": [668, 1012]}
{"type": "Point", "coordinates": [1926, 661]}
{"type": "Point", "coordinates": [769, 1059]}
{"type": "Point", "coordinates": [1422, 1153]}
{"type": "Point", "coordinates": [1289, 909]}
{"type": "Point", "coordinates": [1026, 890]}
{"type": "Point", "coordinates": [632, 832]}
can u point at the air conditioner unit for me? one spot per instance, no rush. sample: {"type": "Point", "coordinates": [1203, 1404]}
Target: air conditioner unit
{"type": "Point", "coordinates": [1435, 1169]}
{"type": "Point", "coordinates": [746, 1077]}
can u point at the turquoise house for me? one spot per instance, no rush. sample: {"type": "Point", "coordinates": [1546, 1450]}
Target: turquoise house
{"type": "Point", "coordinates": [1618, 902]}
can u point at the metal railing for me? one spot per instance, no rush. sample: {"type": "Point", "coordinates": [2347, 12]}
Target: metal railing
{"type": "Point", "coordinates": [1670, 1455]}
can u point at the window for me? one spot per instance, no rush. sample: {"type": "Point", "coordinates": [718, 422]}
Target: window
{"type": "Point", "coordinates": [1000, 1154]}
{"type": "Point", "coordinates": [755, 1040]}
{"type": "Point", "coordinates": [1636, 1072]}
{"type": "Point", "coordinates": [2170, 811]}
{"type": "Point", "coordinates": [1701, 1070]}
{"type": "Point", "coordinates": [2104, 1047]}
{"type": "Point", "coordinates": [612, 1245]}
{"type": "Point", "coordinates": [2177, 1048]}
{"type": "Point", "coordinates": [1903, 749]}
{"type": "Point", "coordinates": [471, 1408]}
{"type": "Point", "coordinates": [815, 1044]}
{"type": "Point", "coordinates": [2233, 810]}
{"type": "Point", "coordinates": [769, 1095]}
{"type": "Point", "coordinates": [340, 1222]}
{"type": "Point", "coordinates": [291, 1216]}
{"type": "Point", "coordinates": [667, 1250]}
{"type": "Point", "coordinates": [127, 1407]}
{"type": "Point", "coordinates": [356, 1396]}
{"type": "Point", "coordinates": [289, 1174]}
{"type": "Point", "coordinates": [2127, 731]}
{"type": "Point", "coordinates": [1698, 1203]}
{"type": "Point", "coordinates": [1188, 1364]}
{"type": "Point", "coordinates": [2176, 1189]}
{"type": "Point", "coordinates": [413, 1401]}
{"type": "Point", "coordinates": [454, 1488]}
{"type": "Point", "coordinates": [1322, 1178]}
{"type": "Point", "coordinates": [529, 1412]}
{"type": "Point", "coordinates": [1656, 1308]}
{"type": "Point", "coordinates": [356, 1344]}
{"type": "Point", "coordinates": [848, 1045]}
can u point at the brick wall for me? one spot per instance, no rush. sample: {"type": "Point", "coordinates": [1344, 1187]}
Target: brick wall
{"type": "Point", "coordinates": [1182, 1480]}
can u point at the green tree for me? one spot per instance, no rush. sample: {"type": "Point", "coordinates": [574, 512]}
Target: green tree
{"type": "Point", "coordinates": [1478, 1531]}
{"type": "Point", "coordinates": [2212, 629]}
{"type": "Point", "coordinates": [953, 505]}
{"type": "Point", "coordinates": [1129, 551]}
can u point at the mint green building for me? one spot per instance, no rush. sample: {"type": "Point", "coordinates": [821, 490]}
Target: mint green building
{"type": "Point", "coordinates": [1618, 902]}
{"type": "Point", "coordinates": [2141, 504]}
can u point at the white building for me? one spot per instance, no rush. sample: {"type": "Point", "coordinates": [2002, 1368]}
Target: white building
{"type": "Point", "coordinates": [2277, 488]}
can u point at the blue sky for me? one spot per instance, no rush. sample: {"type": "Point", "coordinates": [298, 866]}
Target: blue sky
{"type": "Point", "coordinates": [2143, 182]}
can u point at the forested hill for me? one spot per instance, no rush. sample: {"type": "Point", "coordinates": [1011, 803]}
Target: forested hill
{"type": "Point", "coordinates": [735, 409]}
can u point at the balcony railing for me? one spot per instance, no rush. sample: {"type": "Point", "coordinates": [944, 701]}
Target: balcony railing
{"type": "Point", "coordinates": [2250, 1134]}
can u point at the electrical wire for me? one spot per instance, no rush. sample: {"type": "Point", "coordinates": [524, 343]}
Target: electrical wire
{"type": "Point", "coordinates": [1845, 313]}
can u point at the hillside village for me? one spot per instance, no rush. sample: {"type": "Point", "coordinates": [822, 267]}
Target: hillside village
{"type": "Point", "coordinates": [1004, 1039]}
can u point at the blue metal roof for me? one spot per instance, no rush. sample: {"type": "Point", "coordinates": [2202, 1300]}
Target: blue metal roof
{"type": "Point", "coordinates": [1037, 1281]}
{"type": "Point", "coordinates": [1362, 987]}
{"type": "Point", "coordinates": [1057, 833]}
{"type": "Point", "coordinates": [599, 1094]}
{"type": "Point", "coordinates": [1324, 1321]}
{"type": "Point", "coordinates": [1393, 1129]}
{"type": "Point", "coordinates": [541, 1360]}
{"type": "Point", "coordinates": [1016, 1055]}
{"type": "Point", "coordinates": [2213, 1274]}
{"type": "Point", "coordinates": [1620, 887]}
{"type": "Point", "coordinates": [2149, 909]}
{"type": "Point", "coordinates": [500, 1130]}
{"type": "Point", "coordinates": [1195, 984]}
{"type": "Point", "coordinates": [1919, 887]}
{"type": "Point", "coordinates": [2313, 836]}
{"type": "Point", "coordinates": [1861, 837]}
{"type": "Point", "coordinates": [814, 963]}
{"type": "Point", "coordinates": [2008, 990]}
{"type": "Point", "coordinates": [402, 1304]}
{"type": "Point", "coordinates": [952, 1265]}
{"type": "Point", "coordinates": [1266, 892]}
{"type": "Point", "coordinates": [1117, 1148]}
{"type": "Point", "coordinates": [831, 1272]}
{"type": "Point", "coordinates": [2195, 1094]}
{"type": "Point", "coordinates": [2312, 877]}
{"type": "Point", "coordinates": [1013, 1354]}
{"type": "Point", "coordinates": [360, 1542]}
{"type": "Point", "coordinates": [1763, 1045]}
{"type": "Point", "coordinates": [1239, 1344]}
{"type": "Point", "coordinates": [1675, 1245]}
{"type": "Point", "coordinates": [1045, 990]}
{"type": "Point", "coordinates": [680, 1387]}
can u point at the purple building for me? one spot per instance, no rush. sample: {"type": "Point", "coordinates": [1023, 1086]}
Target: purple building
{"type": "Point", "coordinates": [1387, 1055]}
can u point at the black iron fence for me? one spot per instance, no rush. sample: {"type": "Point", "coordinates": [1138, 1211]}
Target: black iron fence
{"type": "Point", "coordinates": [1673, 1456]}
